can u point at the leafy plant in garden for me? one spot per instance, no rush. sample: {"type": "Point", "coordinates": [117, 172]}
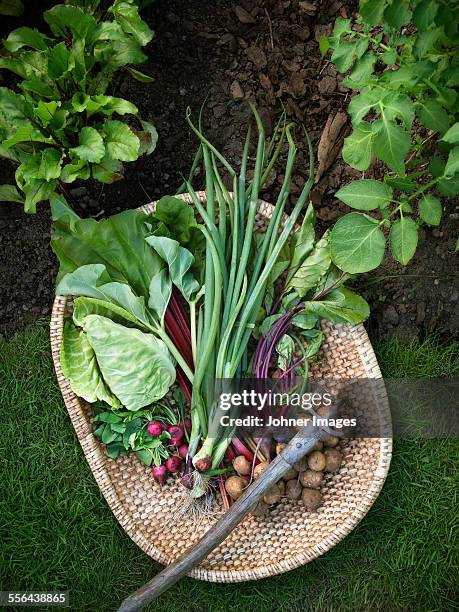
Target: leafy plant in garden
{"type": "Point", "coordinates": [402, 59]}
{"type": "Point", "coordinates": [63, 126]}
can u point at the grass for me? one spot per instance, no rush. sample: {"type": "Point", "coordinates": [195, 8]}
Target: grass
{"type": "Point", "coordinates": [57, 532]}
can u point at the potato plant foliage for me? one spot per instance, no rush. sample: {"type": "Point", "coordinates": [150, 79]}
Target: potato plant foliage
{"type": "Point", "coordinates": [401, 58]}
{"type": "Point", "coordinates": [62, 126]}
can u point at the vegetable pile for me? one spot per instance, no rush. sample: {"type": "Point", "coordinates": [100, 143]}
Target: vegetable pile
{"type": "Point", "coordinates": [196, 293]}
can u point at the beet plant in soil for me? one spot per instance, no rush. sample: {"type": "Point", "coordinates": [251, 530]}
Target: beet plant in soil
{"type": "Point", "coordinates": [61, 126]}
{"type": "Point", "coordinates": [401, 59]}
{"type": "Point", "coordinates": [198, 292]}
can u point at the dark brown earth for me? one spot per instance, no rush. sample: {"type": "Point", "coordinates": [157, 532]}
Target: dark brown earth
{"type": "Point", "coordinates": [267, 51]}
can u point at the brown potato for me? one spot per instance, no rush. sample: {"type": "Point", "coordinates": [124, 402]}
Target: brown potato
{"type": "Point", "coordinates": [330, 440]}
{"type": "Point", "coordinates": [235, 486]}
{"type": "Point", "coordinates": [333, 459]}
{"type": "Point", "coordinates": [311, 479]}
{"type": "Point", "coordinates": [281, 487]}
{"type": "Point", "coordinates": [293, 489]}
{"type": "Point", "coordinates": [259, 469]}
{"type": "Point", "coordinates": [311, 498]}
{"type": "Point", "coordinates": [318, 446]}
{"type": "Point", "coordinates": [242, 466]}
{"type": "Point", "coordinates": [301, 465]}
{"type": "Point", "coordinates": [292, 473]}
{"type": "Point", "coordinates": [317, 461]}
{"type": "Point", "coordinates": [272, 496]}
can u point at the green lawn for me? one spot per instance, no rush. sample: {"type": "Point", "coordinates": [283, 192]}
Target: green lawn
{"type": "Point", "coordinates": [57, 533]}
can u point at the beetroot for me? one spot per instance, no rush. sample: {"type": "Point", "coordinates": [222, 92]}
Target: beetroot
{"type": "Point", "coordinates": [173, 464]}
{"type": "Point", "coordinates": [176, 433]}
{"type": "Point", "coordinates": [159, 473]}
{"type": "Point", "coordinates": [183, 451]}
{"type": "Point", "coordinates": [155, 428]}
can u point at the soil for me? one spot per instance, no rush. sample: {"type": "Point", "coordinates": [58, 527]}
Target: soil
{"type": "Point", "coordinates": [216, 51]}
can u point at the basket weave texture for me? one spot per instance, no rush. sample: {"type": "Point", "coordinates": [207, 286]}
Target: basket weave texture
{"type": "Point", "coordinates": [288, 536]}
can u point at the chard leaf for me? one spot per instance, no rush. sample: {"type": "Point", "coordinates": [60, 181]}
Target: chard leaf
{"type": "Point", "coordinates": [37, 191]}
{"type": "Point", "coordinates": [117, 242]}
{"type": "Point", "coordinates": [79, 366]}
{"type": "Point", "coordinates": [14, 111]}
{"type": "Point", "coordinates": [127, 15]}
{"type": "Point", "coordinates": [357, 244]}
{"type": "Point", "coordinates": [60, 61]}
{"type": "Point", "coordinates": [160, 293]}
{"type": "Point", "coordinates": [26, 133]}
{"type": "Point", "coordinates": [93, 280]}
{"type": "Point", "coordinates": [25, 37]}
{"type": "Point", "coordinates": [73, 171]}
{"type": "Point", "coordinates": [403, 239]}
{"type": "Point", "coordinates": [178, 216]}
{"type": "Point", "coordinates": [313, 267]}
{"type": "Point", "coordinates": [50, 165]}
{"type": "Point", "coordinates": [365, 194]}
{"type": "Point", "coordinates": [9, 193]}
{"type": "Point", "coordinates": [121, 141]}
{"type": "Point", "coordinates": [147, 369]}
{"type": "Point", "coordinates": [358, 146]}
{"type": "Point", "coordinates": [340, 306]}
{"type": "Point", "coordinates": [179, 261]}
{"type": "Point", "coordinates": [109, 105]}
{"type": "Point", "coordinates": [430, 210]}
{"type": "Point", "coordinates": [108, 170]}
{"type": "Point", "coordinates": [66, 19]}
{"type": "Point", "coordinates": [91, 148]}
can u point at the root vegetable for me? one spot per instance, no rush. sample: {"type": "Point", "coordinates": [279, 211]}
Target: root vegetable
{"type": "Point", "coordinates": [292, 473]}
{"type": "Point", "coordinates": [272, 496]}
{"type": "Point", "coordinates": [183, 451]}
{"type": "Point", "coordinates": [235, 486]}
{"type": "Point", "coordinates": [155, 428]}
{"type": "Point", "coordinates": [176, 432]}
{"type": "Point", "coordinates": [159, 473]}
{"type": "Point", "coordinates": [204, 464]}
{"type": "Point", "coordinates": [173, 464]}
{"type": "Point", "coordinates": [293, 489]}
{"type": "Point", "coordinates": [333, 459]}
{"type": "Point", "coordinates": [259, 469]}
{"type": "Point", "coordinates": [317, 461]}
{"type": "Point", "coordinates": [330, 441]}
{"type": "Point", "coordinates": [281, 487]}
{"type": "Point", "coordinates": [311, 479]}
{"type": "Point", "coordinates": [242, 466]}
{"type": "Point", "coordinates": [311, 498]}
{"type": "Point", "coordinates": [318, 446]}
{"type": "Point", "coordinates": [301, 465]}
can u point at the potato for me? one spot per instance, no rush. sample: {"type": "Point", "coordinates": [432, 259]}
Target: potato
{"type": "Point", "coordinates": [281, 487]}
{"type": "Point", "coordinates": [272, 496]}
{"type": "Point", "coordinates": [260, 509]}
{"type": "Point", "coordinates": [259, 469]}
{"type": "Point", "coordinates": [317, 461]}
{"type": "Point", "coordinates": [242, 466]}
{"type": "Point", "coordinates": [301, 465]}
{"type": "Point", "coordinates": [293, 489]}
{"type": "Point", "coordinates": [333, 459]}
{"type": "Point", "coordinates": [317, 446]}
{"type": "Point", "coordinates": [311, 498]}
{"type": "Point", "coordinates": [330, 441]}
{"type": "Point", "coordinates": [235, 486]}
{"type": "Point", "coordinates": [311, 479]}
{"type": "Point", "coordinates": [292, 473]}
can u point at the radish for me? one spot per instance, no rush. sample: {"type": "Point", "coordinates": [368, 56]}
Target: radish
{"type": "Point", "coordinates": [176, 433]}
{"type": "Point", "coordinates": [173, 464]}
{"type": "Point", "coordinates": [155, 428]}
{"type": "Point", "coordinates": [159, 473]}
{"type": "Point", "coordinates": [183, 451]}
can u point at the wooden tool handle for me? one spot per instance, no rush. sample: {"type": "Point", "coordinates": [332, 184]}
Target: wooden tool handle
{"type": "Point", "coordinates": [298, 446]}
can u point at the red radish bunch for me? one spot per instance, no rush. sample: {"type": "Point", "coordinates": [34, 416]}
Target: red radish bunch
{"type": "Point", "coordinates": [155, 428]}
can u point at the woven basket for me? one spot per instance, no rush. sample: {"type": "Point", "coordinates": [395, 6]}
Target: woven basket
{"type": "Point", "coordinates": [288, 536]}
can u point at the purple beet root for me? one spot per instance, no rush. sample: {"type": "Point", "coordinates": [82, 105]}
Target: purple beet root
{"type": "Point", "coordinates": [159, 473]}
{"type": "Point", "coordinates": [173, 464]}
